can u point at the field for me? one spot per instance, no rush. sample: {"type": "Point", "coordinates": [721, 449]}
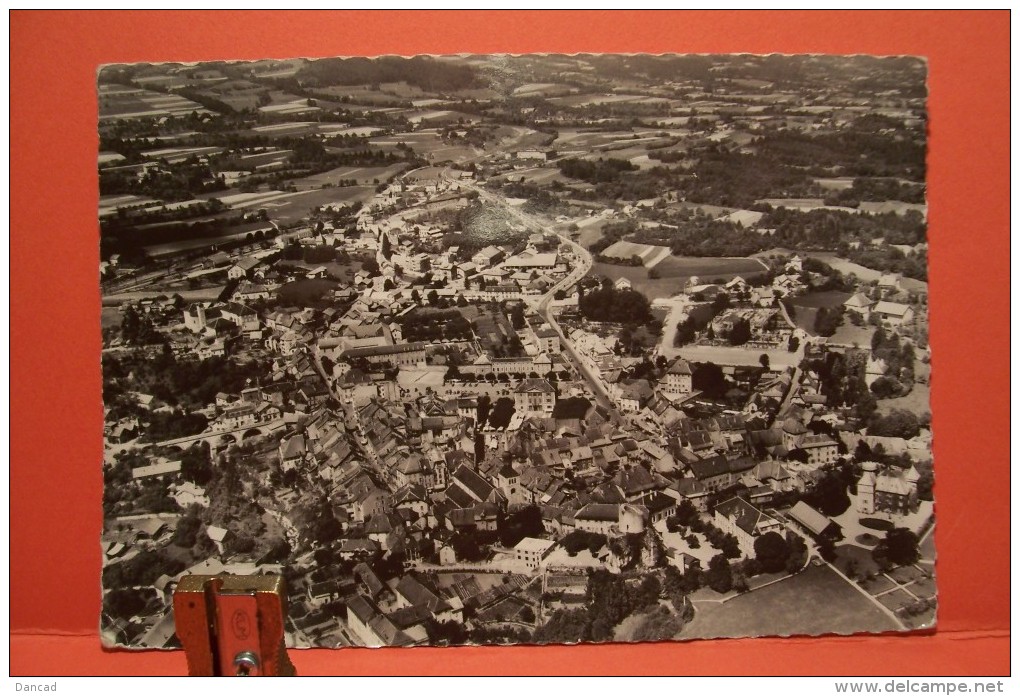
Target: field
{"type": "Point", "coordinates": [708, 269]}
{"type": "Point", "coordinates": [295, 208]}
{"type": "Point", "coordinates": [200, 295]}
{"type": "Point", "coordinates": [110, 317]}
{"type": "Point", "coordinates": [590, 231]}
{"type": "Point", "coordinates": [638, 276]}
{"type": "Point", "coordinates": [917, 401]}
{"type": "Point", "coordinates": [119, 102]}
{"type": "Point", "coordinates": [816, 602]}
{"type": "Point", "coordinates": [829, 298]}
{"type": "Point", "coordinates": [737, 355]}
{"type": "Point", "coordinates": [674, 271]}
{"type": "Point", "coordinates": [806, 307]}
{"type": "Point", "coordinates": [848, 334]}
{"type": "Point", "coordinates": [365, 176]}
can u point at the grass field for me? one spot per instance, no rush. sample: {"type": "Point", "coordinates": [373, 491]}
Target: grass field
{"type": "Point", "coordinates": [917, 401]}
{"type": "Point", "coordinates": [638, 277]}
{"type": "Point", "coordinates": [110, 317]}
{"type": "Point", "coordinates": [365, 176]}
{"type": "Point", "coordinates": [708, 269]}
{"type": "Point", "coordinates": [816, 602]}
{"type": "Point", "coordinates": [828, 298]}
{"type": "Point", "coordinates": [861, 558]}
{"type": "Point", "coordinates": [295, 208]}
{"type": "Point", "coordinates": [674, 271]}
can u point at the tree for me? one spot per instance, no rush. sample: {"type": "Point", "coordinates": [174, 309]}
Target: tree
{"type": "Point", "coordinates": [740, 333]}
{"type": "Point", "coordinates": [686, 513]}
{"type": "Point", "coordinates": [517, 316]}
{"type": "Point", "coordinates": [772, 552]}
{"type": "Point", "coordinates": [370, 266]}
{"type": "Point", "coordinates": [898, 423]}
{"type": "Point", "coordinates": [186, 534]}
{"type": "Point", "coordinates": [466, 546]}
{"type": "Point", "coordinates": [898, 548]}
{"type": "Point", "coordinates": [527, 614]}
{"type": "Point", "coordinates": [709, 378]}
{"type": "Point", "coordinates": [720, 575]}
{"type": "Point", "coordinates": [827, 320]}
{"type": "Point", "coordinates": [764, 360]}
{"type": "Point", "coordinates": [830, 495]}
{"type": "Point", "coordinates": [526, 522]}
{"type": "Point", "coordinates": [798, 552]}
{"type": "Point", "coordinates": [827, 549]}
{"type": "Point", "coordinates": [886, 387]}
{"type": "Point", "coordinates": [195, 465]}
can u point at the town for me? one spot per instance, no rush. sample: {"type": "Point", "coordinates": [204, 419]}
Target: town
{"type": "Point", "coordinates": [535, 349]}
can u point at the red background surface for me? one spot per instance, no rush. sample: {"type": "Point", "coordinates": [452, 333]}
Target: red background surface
{"type": "Point", "coordinates": [56, 410]}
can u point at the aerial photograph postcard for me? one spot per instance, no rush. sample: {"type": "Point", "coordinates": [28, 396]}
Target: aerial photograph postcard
{"type": "Point", "coordinates": [497, 349]}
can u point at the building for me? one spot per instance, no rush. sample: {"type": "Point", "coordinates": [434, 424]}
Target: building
{"type": "Point", "coordinates": [814, 523]}
{"type": "Point", "coordinates": [547, 340]}
{"type": "Point", "coordinates": [892, 490]}
{"type": "Point", "coordinates": [372, 627]}
{"type": "Point", "coordinates": [611, 519]}
{"type": "Point", "coordinates": [738, 517]}
{"type": "Point", "coordinates": [861, 304]}
{"type": "Point", "coordinates": [242, 268]}
{"type": "Point", "coordinates": [676, 383]}
{"type": "Point", "coordinates": [537, 155]}
{"type": "Point", "coordinates": [535, 396]}
{"type": "Point", "coordinates": [531, 551]}
{"type": "Point", "coordinates": [489, 256]}
{"type": "Point", "coordinates": [532, 261]}
{"type": "Point", "coordinates": [894, 313]}
{"type": "Point", "coordinates": [632, 394]}
{"type": "Point", "coordinates": [821, 449]}
{"type": "Point", "coordinates": [720, 472]}
{"type": "Point", "coordinates": [400, 355]}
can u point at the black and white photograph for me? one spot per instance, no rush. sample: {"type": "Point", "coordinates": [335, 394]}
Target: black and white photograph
{"type": "Point", "coordinates": [519, 349]}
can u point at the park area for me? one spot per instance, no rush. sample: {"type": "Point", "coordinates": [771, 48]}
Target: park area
{"type": "Point", "coordinates": [815, 602]}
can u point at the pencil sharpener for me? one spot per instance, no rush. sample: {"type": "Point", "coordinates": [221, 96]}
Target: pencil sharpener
{"type": "Point", "coordinates": [232, 625]}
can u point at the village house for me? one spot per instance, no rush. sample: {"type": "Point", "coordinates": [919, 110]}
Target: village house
{"type": "Point", "coordinates": [738, 517]}
{"type": "Point", "coordinates": [242, 267]}
{"type": "Point", "coordinates": [530, 552]}
{"type": "Point", "coordinates": [611, 519]}
{"type": "Point", "coordinates": [894, 313]}
{"type": "Point", "coordinates": [676, 383]}
{"type": "Point", "coordinates": [861, 304]}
